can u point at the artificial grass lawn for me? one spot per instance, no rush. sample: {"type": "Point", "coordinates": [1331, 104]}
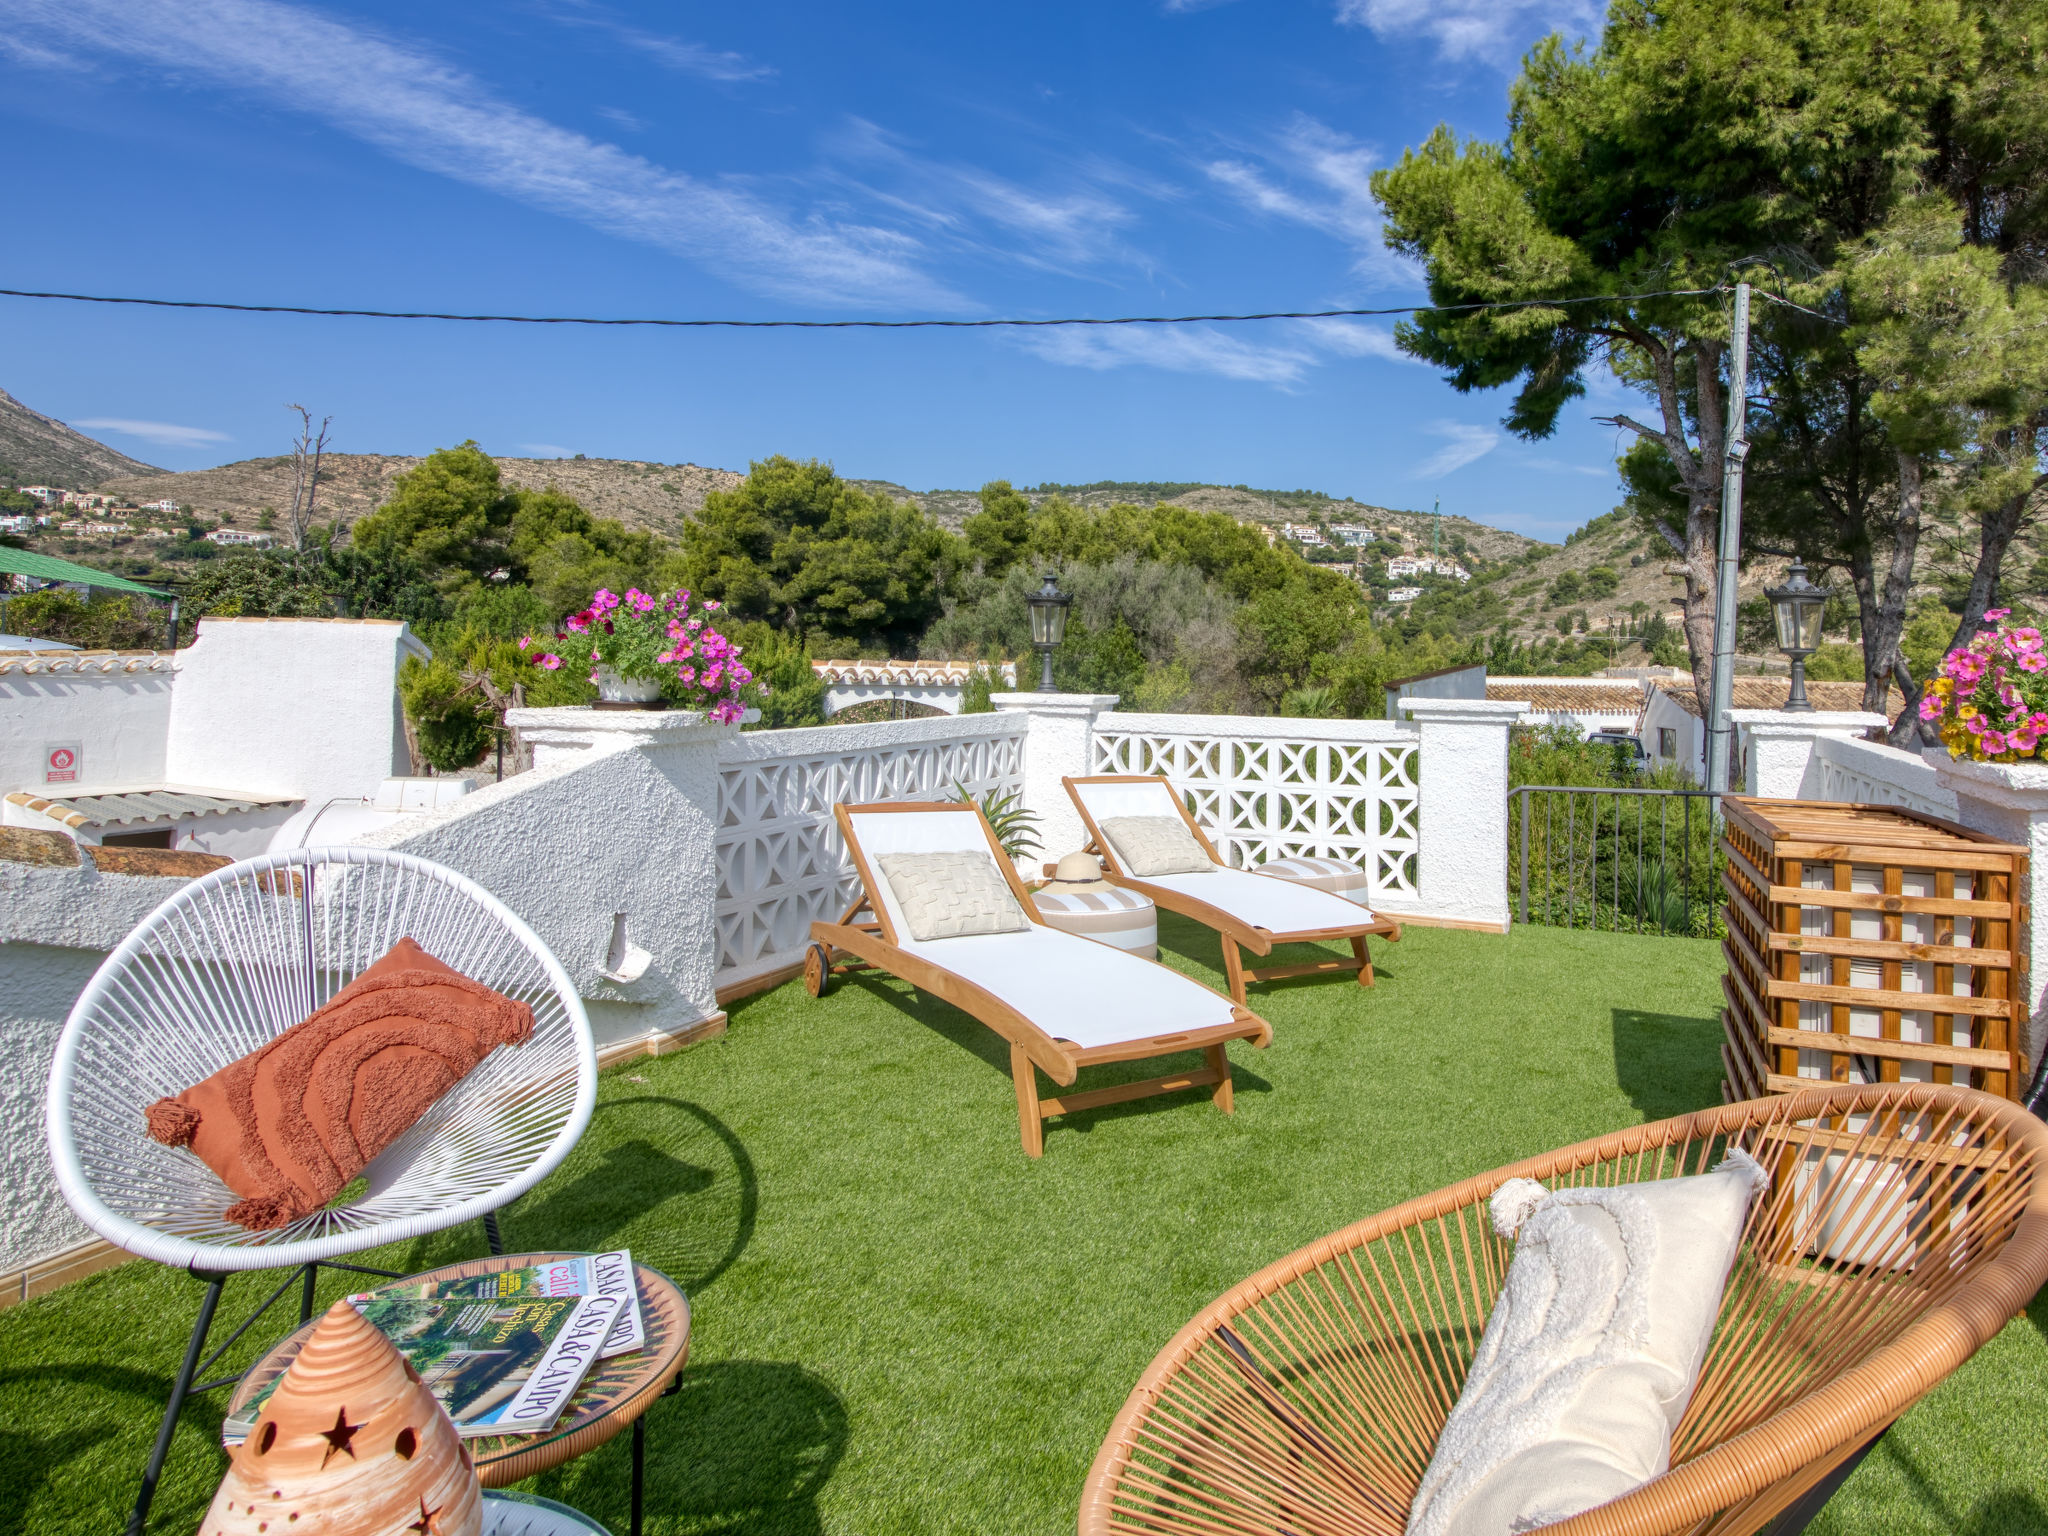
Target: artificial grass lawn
{"type": "Point", "coordinates": [904, 1325]}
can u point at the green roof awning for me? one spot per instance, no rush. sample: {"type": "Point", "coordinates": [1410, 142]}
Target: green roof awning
{"type": "Point", "coordinates": [26, 562]}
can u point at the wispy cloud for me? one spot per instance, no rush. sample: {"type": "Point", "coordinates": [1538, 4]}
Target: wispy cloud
{"type": "Point", "coordinates": [163, 433]}
{"type": "Point", "coordinates": [547, 450]}
{"type": "Point", "coordinates": [1315, 176]}
{"type": "Point", "coordinates": [1280, 353]}
{"type": "Point", "coordinates": [1495, 31]}
{"type": "Point", "coordinates": [1183, 7]}
{"type": "Point", "coordinates": [1175, 348]}
{"type": "Point", "coordinates": [439, 119]}
{"type": "Point", "coordinates": [1465, 444]}
{"type": "Point", "coordinates": [623, 118]}
{"type": "Point", "coordinates": [1068, 228]}
{"type": "Point", "coordinates": [670, 52]}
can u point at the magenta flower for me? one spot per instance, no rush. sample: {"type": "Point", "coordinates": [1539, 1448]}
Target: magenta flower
{"type": "Point", "coordinates": [525, 641]}
{"type": "Point", "coordinates": [547, 662]}
{"type": "Point", "coordinates": [1993, 615]}
{"type": "Point", "coordinates": [2023, 741]}
{"type": "Point", "coordinates": [1991, 741]}
{"type": "Point", "coordinates": [2034, 661]}
{"type": "Point", "coordinates": [1930, 707]}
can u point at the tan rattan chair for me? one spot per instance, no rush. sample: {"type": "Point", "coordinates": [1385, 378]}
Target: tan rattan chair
{"type": "Point", "coordinates": [1905, 1226]}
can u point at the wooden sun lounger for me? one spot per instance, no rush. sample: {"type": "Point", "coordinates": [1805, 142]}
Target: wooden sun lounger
{"type": "Point", "coordinates": [1058, 961]}
{"type": "Point", "coordinates": [1235, 928]}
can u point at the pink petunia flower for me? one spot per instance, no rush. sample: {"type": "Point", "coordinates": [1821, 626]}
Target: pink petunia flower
{"type": "Point", "coordinates": [2034, 661]}
{"type": "Point", "coordinates": [1931, 707]}
{"type": "Point", "coordinates": [1993, 615]}
{"type": "Point", "coordinates": [1991, 741]}
{"type": "Point", "coordinates": [2024, 742]}
{"type": "Point", "coordinates": [525, 641]}
{"type": "Point", "coordinates": [548, 663]}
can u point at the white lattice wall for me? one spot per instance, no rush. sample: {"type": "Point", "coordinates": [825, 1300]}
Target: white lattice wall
{"type": "Point", "coordinates": [1269, 788]}
{"type": "Point", "coordinates": [781, 864]}
{"type": "Point", "coordinates": [1870, 773]}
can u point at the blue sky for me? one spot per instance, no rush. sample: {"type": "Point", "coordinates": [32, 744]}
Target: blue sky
{"type": "Point", "coordinates": [798, 160]}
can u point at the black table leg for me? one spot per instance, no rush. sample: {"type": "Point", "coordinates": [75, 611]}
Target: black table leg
{"type": "Point", "coordinates": [138, 1517]}
{"type": "Point", "coordinates": [639, 1468]}
{"type": "Point", "coordinates": [306, 1295]}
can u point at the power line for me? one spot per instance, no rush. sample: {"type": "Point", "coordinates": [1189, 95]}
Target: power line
{"type": "Point", "coordinates": [870, 325]}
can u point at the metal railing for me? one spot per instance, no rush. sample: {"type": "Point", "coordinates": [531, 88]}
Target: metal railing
{"type": "Point", "coordinates": [1626, 859]}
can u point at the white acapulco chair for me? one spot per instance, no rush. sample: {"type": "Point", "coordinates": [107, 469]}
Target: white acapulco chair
{"type": "Point", "coordinates": [236, 958]}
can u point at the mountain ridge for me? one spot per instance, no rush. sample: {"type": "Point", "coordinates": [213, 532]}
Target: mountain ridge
{"type": "Point", "coordinates": [40, 450]}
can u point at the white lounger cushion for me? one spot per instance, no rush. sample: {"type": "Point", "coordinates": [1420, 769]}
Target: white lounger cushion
{"type": "Point", "coordinates": [1156, 845]}
{"type": "Point", "coordinates": [1072, 988]}
{"type": "Point", "coordinates": [952, 894]}
{"type": "Point", "coordinates": [1266, 901]}
{"type": "Point", "coordinates": [1591, 1352]}
{"type": "Point", "coordinates": [1075, 989]}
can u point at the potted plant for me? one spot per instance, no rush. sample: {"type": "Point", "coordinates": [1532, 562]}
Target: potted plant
{"type": "Point", "coordinates": [1990, 698]}
{"type": "Point", "coordinates": [648, 652]}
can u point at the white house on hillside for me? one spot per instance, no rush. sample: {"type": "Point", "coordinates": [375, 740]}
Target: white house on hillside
{"type": "Point", "coordinates": [239, 743]}
{"type": "Point", "coordinates": [1589, 703]}
{"type": "Point", "coordinates": [940, 685]}
{"type": "Point", "coordinates": [1674, 727]}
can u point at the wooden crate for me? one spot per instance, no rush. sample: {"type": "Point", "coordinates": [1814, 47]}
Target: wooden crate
{"type": "Point", "coordinates": [1846, 924]}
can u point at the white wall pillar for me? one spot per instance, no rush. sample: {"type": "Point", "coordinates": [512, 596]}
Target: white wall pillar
{"type": "Point", "coordinates": [619, 814]}
{"type": "Point", "coordinates": [1462, 767]}
{"type": "Point", "coordinates": [2009, 801]}
{"type": "Point", "coordinates": [1057, 742]}
{"type": "Point", "coordinates": [1778, 748]}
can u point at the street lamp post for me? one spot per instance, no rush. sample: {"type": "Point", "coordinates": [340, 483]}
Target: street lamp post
{"type": "Point", "coordinates": [1797, 606]}
{"type": "Point", "coordinates": [1048, 607]}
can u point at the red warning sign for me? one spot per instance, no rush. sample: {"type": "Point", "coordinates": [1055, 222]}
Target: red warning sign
{"type": "Point", "coordinates": [61, 763]}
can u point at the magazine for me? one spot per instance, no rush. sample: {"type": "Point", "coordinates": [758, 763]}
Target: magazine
{"type": "Point", "coordinates": [499, 1365]}
{"type": "Point", "coordinates": [597, 1274]}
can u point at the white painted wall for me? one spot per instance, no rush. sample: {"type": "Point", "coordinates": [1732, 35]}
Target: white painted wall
{"type": "Point", "coordinates": [944, 696]}
{"type": "Point", "coordinates": [301, 707]}
{"type": "Point", "coordinates": [1056, 746]}
{"type": "Point", "coordinates": [618, 814]}
{"type": "Point", "coordinates": [56, 926]}
{"type": "Point", "coordinates": [1461, 860]}
{"type": "Point", "coordinates": [116, 707]}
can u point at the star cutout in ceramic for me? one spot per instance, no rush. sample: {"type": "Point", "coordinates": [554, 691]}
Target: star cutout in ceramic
{"type": "Point", "coordinates": [340, 1438]}
{"type": "Point", "coordinates": [429, 1522]}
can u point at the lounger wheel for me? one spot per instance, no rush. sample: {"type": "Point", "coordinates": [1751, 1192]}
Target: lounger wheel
{"type": "Point", "coordinates": [817, 969]}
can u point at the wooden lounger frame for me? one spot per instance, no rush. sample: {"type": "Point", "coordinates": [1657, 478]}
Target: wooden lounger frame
{"type": "Point", "coordinates": [874, 943]}
{"type": "Point", "coordinates": [1234, 931]}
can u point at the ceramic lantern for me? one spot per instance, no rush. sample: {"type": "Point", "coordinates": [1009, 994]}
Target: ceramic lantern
{"type": "Point", "coordinates": [350, 1444]}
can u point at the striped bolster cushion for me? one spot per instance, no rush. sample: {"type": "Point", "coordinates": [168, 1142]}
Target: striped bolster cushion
{"type": "Point", "coordinates": [1106, 914]}
{"type": "Point", "coordinates": [1332, 875]}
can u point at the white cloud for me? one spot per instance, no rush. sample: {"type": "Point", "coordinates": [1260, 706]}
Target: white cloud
{"type": "Point", "coordinates": [439, 119]}
{"type": "Point", "coordinates": [162, 433]}
{"type": "Point", "coordinates": [1187, 7]}
{"type": "Point", "coordinates": [1493, 30]}
{"type": "Point", "coordinates": [548, 450]}
{"type": "Point", "coordinates": [1251, 354]}
{"type": "Point", "coordinates": [1175, 348]}
{"type": "Point", "coordinates": [1315, 176]}
{"type": "Point", "coordinates": [1466, 444]}
{"type": "Point", "coordinates": [669, 52]}
{"type": "Point", "coordinates": [1069, 229]}
{"type": "Point", "coordinates": [623, 118]}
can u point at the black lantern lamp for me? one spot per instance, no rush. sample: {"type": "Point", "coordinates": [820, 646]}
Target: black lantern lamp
{"type": "Point", "coordinates": [1798, 606]}
{"type": "Point", "coordinates": [1048, 607]}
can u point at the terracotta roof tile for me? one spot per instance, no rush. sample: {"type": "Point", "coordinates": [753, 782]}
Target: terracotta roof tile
{"type": "Point", "coordinates": [1604, 695]}
{"type": "Point", "coordinates": [1771, 693]}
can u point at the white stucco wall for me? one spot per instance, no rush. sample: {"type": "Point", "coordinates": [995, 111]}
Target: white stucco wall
{"type": "Point", "coordinates": [56, 926]}
{"type": "Point", "coordinates": [1056, 746]}
{"type": "Point", "coordinates": [619, 814]}
{"type": "Point", "coordinates": [301, 707]}
{"type": "Point", "coordinates": [840, 696]}
{"type": "Point", "coordinates": [115, 707]}
{"type": "Point", "coordinates": [1462, 768]}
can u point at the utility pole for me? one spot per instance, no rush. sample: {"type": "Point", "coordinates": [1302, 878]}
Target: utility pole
{"type": "Point", "coordinates": [1728, 572]}
{"type": "Point", "coordinates": [1436, 529]}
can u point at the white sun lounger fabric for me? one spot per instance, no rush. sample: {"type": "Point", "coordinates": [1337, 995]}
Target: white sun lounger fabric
{"type": "Point", "coordinates": [1070, 987]}
{"type": "Point", "coordinates": [1266, 901]}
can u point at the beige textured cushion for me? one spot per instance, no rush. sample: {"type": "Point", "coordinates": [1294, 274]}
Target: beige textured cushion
{"type": "Point", "coordinates": [950, 895]}
{"type": "Point", "coordinates": [1591, 1352]}
{"type": "Point", "coordinates": [1156, 845]}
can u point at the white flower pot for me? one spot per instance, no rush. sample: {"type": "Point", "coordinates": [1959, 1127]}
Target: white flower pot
{"type": "Point", "coordinates": [627, 692]}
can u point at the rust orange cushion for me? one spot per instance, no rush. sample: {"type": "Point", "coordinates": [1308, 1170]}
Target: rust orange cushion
{"type": "Point", "coordinates": [290, 1124]}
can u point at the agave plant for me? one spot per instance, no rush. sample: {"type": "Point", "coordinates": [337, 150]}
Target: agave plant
{"type": "Point", "coordinates": [1015, 828]}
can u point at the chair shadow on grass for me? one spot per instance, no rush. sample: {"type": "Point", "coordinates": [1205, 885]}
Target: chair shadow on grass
{"type": "Point", "coordinates": [30, 1463]}
{"type": "Point", "coordinates": [686, 1206]}
{"type": "Point", "coordinates": [975, 1037]}
{"type": "Point", "coordinates": [746, 1446]}
{"type": "Point", "coordinates": [1668, 1064]}
{"type": "Point", "coordinates": [1202, 950]}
